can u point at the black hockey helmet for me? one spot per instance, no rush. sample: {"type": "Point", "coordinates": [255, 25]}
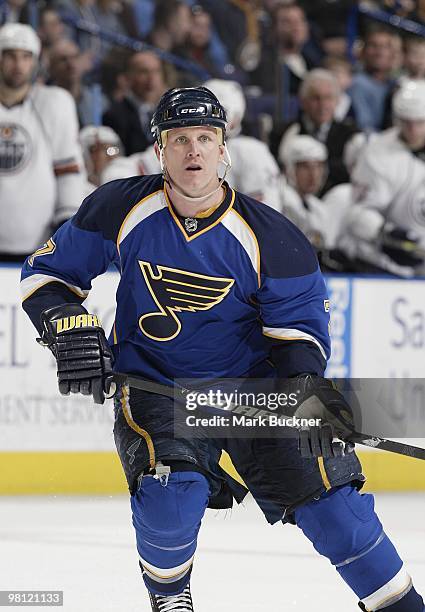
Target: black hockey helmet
{"type": "Point", "coordinates": [187, 106]}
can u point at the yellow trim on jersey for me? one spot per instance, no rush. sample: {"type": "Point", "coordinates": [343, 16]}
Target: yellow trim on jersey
{"type": "Point", "coordinates": [151, 195]}
{"type": "Point", "coordinates": [179, 225]}
{"type": "Point", "coordinates": [114, 331]}
{"type": "Point", "coordinates": [142, 432]}
{"type": "Point", "coordinates": [81, 295]}
{"type": "Point", "coordinates": [257, 248]}
{"type": "Point", "coordinates": [323, 473]}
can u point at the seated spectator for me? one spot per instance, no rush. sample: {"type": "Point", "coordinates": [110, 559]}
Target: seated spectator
{"type": "Point", "coordinates": [51, 30]}
{"type": "Point", "coordinates": [113, 74]}
{"type": "Point", "coordinates": [42, 178]}
{"type": "Point", "coordinates": [288, 53]}
{"type": "Point", "coordinates": [386, 222]}
{"type": "Point", "coordinates": [100, 146]}
{"type": "Point", "coordinates": [418, 12]}
{"type": "Point", "coordinates": [171, 27]}
{"type": "Point", "coordinates": [373, 85]}
{"type": "Point", "coordinates": [331, 18]}
{"type": "Point", "coordinates": [304, 160]}
{"type": "Point", "coordinates": [199, 44]}
{"type": "Point", "coordinates": [319, 95]}
{"type": "Point", "coordinates": [237, 24]}
{"type": "Point", "coordinates": [66, 69]}
{"type": "Point", "coordinates": [130, 118]}
{"type": "Point", "coordinates": [343, 72]}
{"type": "Point", "coordinates": [414, 59]}
{"type": "Point", "coordinates": [14, 11]}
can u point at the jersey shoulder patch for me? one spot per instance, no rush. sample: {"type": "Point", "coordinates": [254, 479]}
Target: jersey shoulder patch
{"type": "Point", "coordinates": [105, 209]}
{"type": "Point", "coordinates": [284, 250]}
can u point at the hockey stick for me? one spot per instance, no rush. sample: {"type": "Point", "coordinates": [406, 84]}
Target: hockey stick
{"type": "Point", "coordinates": [359, 438]}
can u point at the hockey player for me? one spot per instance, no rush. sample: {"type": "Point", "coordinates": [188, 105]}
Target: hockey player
{"type": "Point", "coordinates": [386, 224]}
{"type": "Point", "coordinates": [304, 159]}
{"type": "Point", "coordinates": [101, 145]}
{"type": "Point", "coordinates": [213, 283]}
{"type": "Point", "coordinates": [40, 159]}
{"type": "Point", "coordinates": [253, 169]}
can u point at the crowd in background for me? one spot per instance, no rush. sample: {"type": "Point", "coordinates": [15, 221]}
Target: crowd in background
{"type": "Point", "coordinates": [326, 129]}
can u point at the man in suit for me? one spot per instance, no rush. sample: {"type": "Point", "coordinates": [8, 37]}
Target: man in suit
{"type": "Point", "coordinates": [319, 95]}
{"type": "Point", "coordinates": [130, 118]}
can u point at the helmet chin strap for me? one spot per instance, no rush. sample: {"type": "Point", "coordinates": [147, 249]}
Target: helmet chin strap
{"type": "Point", "coordinates": [167, 178]}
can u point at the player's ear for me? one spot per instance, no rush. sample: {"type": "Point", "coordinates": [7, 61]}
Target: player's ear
{"type": "Point", "coordinates": [156, 148]}
{"type": "Point", "coordinates": [222, 149]}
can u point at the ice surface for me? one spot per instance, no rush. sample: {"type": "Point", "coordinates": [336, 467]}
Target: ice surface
{"type": "Point", "coordinates": [85, 547]}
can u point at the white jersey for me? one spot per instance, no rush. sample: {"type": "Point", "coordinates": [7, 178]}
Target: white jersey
{"type": "Point", "coordinates": [388, 185]}
{"type": "Point", "coordinates": [310, 214]}
{"type": "Point", "coordinates": [254, 170]}
{"type": "Point", "coordinates": [41, 179]}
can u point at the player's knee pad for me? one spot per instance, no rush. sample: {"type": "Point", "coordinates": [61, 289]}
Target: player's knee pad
{"type": "Point", "coordinates": [167, 518]}
{"type": "Point", "coordinates": [343, 526]}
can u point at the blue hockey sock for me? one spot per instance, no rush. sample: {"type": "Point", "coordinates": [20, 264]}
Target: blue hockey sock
{"type": "Point", "coordinates": [167, 519]}
{"type": "Point", "coordinates": [342, 526]}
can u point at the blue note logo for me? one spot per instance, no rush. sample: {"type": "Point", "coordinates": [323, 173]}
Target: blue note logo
{"type": "Point", "coordinates": [175, 291]}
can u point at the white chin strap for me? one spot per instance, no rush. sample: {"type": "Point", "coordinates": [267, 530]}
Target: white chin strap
{"type": "Point", "coordinates": [227, 161]}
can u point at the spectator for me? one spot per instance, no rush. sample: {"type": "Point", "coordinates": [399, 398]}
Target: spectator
{"type": "Point", "coordinates": [418, 14]}
{"type": "Point", "coordinates": [50, 30]}
{"type": "Point", "coordinates": [373, 85]}
{"type": "Point", "coordinates": [343, 72]}
{"type": "Point", "coordinates": [199, 46]}
{"type": "Point", "coordinates": [172, 23]}
{"type": "Point", "coordinates": [237, 24]}
{"type": "Point", "coordinates": [331, 17]}
{"type": "Point", "coordinates": [42, 180]}
{"type": "Point", "coordinates": [76, 10]}
{"type": "Point", "coordinates": [387, 220]}
{"type": "Point", "coordinates": [113, 74]}
{"type": "Point", "coordinates": [67, 70]}
{"type": "Point", "coordinates": [289, 48]}
{"type": "Point", "coordinates": [319, 95]}
{"type": "Point", "coordinates": [100, 146]}
{"type": "Point", "coordinates": [130, 118]}
{"type": "Point", "coordinates": [13, 11]}
{"type": "Point", "coordinates": [414, 59]}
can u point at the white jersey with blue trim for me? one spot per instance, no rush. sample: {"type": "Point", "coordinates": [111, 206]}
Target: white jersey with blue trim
{"type": "Point", "coordinates": [198, 297]}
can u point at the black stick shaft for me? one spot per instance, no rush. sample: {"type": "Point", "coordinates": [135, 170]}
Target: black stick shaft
{"type": "Point", "coordinates": [391, 446]}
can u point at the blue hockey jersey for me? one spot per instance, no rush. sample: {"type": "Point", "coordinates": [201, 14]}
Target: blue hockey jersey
{"type": "Point", "coordinates": [198, 297]}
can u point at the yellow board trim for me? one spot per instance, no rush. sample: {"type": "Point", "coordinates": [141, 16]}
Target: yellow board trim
{"type": "Point", "coordinates": [88, 473]}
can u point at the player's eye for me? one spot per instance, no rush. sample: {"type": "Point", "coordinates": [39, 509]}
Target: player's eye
{"type": "Point", "coordinates": [181, 139]}
{"type": "Point", "coordinates": [204, 138]}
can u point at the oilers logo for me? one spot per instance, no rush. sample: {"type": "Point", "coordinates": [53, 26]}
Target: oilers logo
{"type": "Point", "coordinates": [15, 148]}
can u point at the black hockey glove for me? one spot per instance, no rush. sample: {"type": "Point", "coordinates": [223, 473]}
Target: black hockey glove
{"type": "Point", "coordinates": [78, 342]}
{"type": "Point", "coordinates": [401, 245]}
{"type": "Point", "coordinates": [318, 398]}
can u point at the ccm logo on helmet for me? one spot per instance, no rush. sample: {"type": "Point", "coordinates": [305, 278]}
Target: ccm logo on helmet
{"type": "Point", "coordinates": [200, 110]}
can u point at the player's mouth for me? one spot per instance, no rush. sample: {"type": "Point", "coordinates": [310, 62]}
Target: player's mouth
{"type": "Point", "coordinates": [193, 168]}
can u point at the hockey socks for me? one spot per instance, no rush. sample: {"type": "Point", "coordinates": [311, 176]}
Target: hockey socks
{"type": "Point", "coordinates": [343, 526]}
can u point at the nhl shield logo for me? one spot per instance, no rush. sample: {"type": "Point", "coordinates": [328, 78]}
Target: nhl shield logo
{"type": "Point", "coordinates": [190, 224]}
